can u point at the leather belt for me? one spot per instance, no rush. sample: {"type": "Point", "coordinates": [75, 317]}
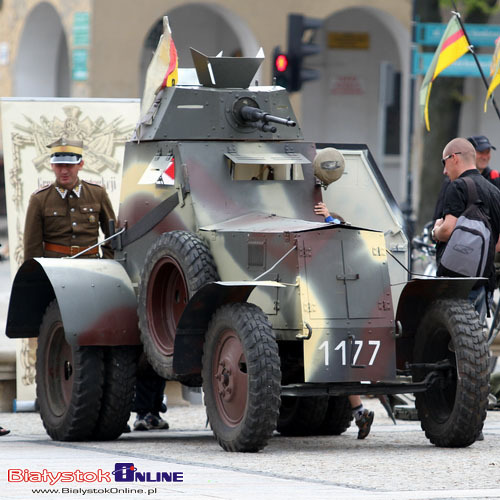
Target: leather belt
{"type": "Point", "coordinates": [69, 250]}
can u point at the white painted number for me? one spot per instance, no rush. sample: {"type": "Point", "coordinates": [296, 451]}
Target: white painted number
{"type": "Point", "coordinates": [341, 346]}
{"type": "Point", "coordinates": [359, 343]}
{"type": "Point", "coordinates": [324, 346]}
{"type": "Point", "coordinates": [376, 343]}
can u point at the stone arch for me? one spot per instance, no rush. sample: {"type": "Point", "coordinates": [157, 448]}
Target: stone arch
{"type": "Point", "coordinates": [42, 66]}
{"type": "Point", "coordinates": [347, 103]}
{"type": "Point", "coordinates": [206, 27]}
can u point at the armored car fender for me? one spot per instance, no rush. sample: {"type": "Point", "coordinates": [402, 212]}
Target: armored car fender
{"type": "Point", "coordinates": [96, 300]}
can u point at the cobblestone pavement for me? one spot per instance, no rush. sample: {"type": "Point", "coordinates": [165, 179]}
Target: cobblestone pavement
{"type": "Point", "coordinates": [393, 462]}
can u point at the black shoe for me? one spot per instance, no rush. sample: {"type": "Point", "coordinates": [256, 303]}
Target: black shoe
{"type": "Point", "coordinates": [3, 432]}
{"type": "Point", "coordinates": [154, 421]}
{"type": "Point", "coordinates": [141, 424]}
{"type": "Point", "coordinates": [364, 423]}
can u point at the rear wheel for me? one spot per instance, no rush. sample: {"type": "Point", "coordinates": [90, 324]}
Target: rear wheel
{"type": "Point", "coordinates": [118, 392]}
{"type": "Point", "coordinates": [177, 265]}
{"type": "Point", "coordinates": [453, 410]}
{"type": "Point", "coordinates": [69, 381]}
{"type": "Point", "coordinates": [338, 416]}
{"type": "Point", "coordinates": [241, 377]}
{"type": "Point", "coordinates": [301, 416]}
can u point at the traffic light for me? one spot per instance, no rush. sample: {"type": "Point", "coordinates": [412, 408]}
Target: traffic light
{"type": "Point", "coordinates": [280, 68]}
{"type": "Point", "coordinates": [299, 49]}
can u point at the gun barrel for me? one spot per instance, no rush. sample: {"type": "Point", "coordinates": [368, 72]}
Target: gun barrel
{"type": "Point", "coordinates": [251, 114]}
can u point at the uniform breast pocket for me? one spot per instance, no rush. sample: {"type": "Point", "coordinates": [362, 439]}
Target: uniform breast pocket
{"type": "Point", "coordinates": [89, 214]}
{"type": "Point", "coordinates": [55, 219]}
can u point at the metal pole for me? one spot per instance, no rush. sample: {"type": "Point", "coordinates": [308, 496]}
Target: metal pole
{"type": "Point", "coordinates": [471, 50]}
{"type": "Point", "coordinates": [408, 206]}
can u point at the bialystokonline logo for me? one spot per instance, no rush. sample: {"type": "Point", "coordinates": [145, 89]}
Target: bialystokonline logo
{"type": "Point", "coordinates": [124, 472]}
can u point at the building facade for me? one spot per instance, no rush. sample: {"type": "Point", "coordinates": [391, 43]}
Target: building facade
{"type": "Point", "coordinates": [101, 48]}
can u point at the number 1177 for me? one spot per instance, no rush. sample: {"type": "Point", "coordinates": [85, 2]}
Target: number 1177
{"type": "Point", "coordinates": [358, 345]}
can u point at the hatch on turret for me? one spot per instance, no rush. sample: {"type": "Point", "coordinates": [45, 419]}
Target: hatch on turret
{"type": "Point", "coordinates": [226, 72]}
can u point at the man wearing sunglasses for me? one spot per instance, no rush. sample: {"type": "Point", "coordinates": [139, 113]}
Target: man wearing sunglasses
{"type": "Point", "coordinates": [459, 161]}
{"type": "Point", "coordinates": [483, 149]}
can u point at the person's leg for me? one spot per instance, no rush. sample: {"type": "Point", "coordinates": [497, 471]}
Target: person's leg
{"type": "Point", "coordinates": [143, 401]}
{"type": "Point", "coordinates": [362, 416]}
{"type": "Point", "coordinates": [158, 388]}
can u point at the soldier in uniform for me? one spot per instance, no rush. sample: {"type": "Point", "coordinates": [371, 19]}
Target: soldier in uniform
{"type": "Point", "coordinates": [63, 218]}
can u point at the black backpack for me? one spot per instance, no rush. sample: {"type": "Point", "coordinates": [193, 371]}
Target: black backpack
{"type": "Point", "coordinates": [470, 251]}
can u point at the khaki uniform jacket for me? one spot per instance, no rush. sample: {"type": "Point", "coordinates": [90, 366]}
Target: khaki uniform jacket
{"type": "Point", "coordinates": [68, 221]}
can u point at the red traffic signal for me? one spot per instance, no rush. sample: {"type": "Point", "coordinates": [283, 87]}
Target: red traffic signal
{"type": "Point", "coordinates": [281, 62]}
{"type": "Point", "coordinates": [280, 68]}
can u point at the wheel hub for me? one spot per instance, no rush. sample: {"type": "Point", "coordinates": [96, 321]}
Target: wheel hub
{"type": "Point", "coordinates": [59, 371]}
{"type": "Point", "coordinates": [230, 379]}
{"type": "Point", "coordinates": [225, 381]}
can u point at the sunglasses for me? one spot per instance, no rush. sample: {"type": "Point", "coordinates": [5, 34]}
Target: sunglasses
{"type": "Point", "coordinates": [443, 160]}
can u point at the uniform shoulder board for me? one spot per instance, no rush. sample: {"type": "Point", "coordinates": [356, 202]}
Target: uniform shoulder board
{"type": "Point", "coordinates": [43, 188]}
{"type": "Point", "coordinates": [92, 183]}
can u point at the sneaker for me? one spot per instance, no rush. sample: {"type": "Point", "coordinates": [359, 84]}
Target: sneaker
{"type": "Point", "coordinates": [154, 421]}
{"type": "Point", "coordinates": [364, 423]}
{"type": "Point", "coordinates": [3, 432]}
{"type": "Point", "coordinates": [141, 423]}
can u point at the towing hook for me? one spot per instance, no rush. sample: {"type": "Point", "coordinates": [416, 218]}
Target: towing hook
{"type": "Point", "coordinates": [309, 332]}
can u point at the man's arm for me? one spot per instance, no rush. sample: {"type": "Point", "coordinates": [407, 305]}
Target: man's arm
{"type": "Point", "coordinates": [33, 230]}
{"type": "Point", "coordinates": [107, 214]}
{"type": "Point", "coordinates": [444, 227]}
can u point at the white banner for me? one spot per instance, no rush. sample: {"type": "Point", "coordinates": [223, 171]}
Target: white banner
{"type": "Point", "coordinates": [28, 125]}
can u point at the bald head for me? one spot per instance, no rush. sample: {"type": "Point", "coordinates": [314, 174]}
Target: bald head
{"type": "Point", "coordinates": [459, 155]}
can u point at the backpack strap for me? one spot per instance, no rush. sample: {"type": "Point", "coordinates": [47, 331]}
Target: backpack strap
{"type": "Point", "coordinates": [472, 196]}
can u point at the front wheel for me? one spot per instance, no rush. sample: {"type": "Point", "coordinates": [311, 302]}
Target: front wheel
{"type": "Point", "coordinates": [241, 377]}
{"type": "Point", "coordinates": [453, 410]}
{"type": "Point", "coordinates": [69, 381]}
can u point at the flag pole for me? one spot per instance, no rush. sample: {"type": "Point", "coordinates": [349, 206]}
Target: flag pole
{"type": "Point", "coordinates": [471, 50]}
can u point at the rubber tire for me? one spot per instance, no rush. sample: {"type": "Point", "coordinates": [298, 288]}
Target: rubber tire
{"type": "Point", "coordinates": [301, 416]}
{"type": "Point", "coordinates": [192, 257]}
{"type": "Point", "coordinates": [69, 410]}
{"type": "Point", "coordinates": [338, 416]}
{"type": "Point", "coordinates": [118, 393]}
{"type": "Point", "coordinates": [248, 330]}
{"type": "Point", "coordinates": [453, 416]}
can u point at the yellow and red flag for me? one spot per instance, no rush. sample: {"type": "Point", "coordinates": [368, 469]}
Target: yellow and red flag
{"type": "Point", "coordinates": [453, 46]}
{"type": "Point", "coordinates": [494, 72]}
{"type": "Point", "coordinates": [162, 70]}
